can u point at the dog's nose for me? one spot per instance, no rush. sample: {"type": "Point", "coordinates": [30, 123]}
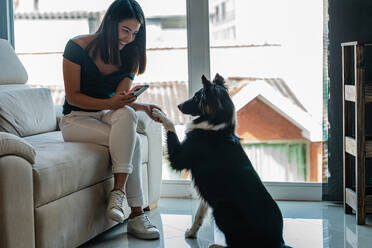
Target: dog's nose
{"type": "Point", "coordinates": [180, 106]}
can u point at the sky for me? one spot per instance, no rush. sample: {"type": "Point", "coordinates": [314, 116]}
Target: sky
{"type": "Point", "coordinates": [150, 7]}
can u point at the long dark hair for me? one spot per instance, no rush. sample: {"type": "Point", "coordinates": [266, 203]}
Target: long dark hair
{"type": "Point", "coordinates": [133, 55]}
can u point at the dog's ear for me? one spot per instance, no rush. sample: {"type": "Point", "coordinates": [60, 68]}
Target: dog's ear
{"type": "Point", "coordinates": [206, 83]}
{"type": "Point", "coordinates": [219, 80]}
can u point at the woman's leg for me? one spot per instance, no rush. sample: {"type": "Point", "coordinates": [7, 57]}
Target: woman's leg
{"type": "Point", "coordinates": [122, 138]}
{"type": "Point", "coordinates": [125, 149]}
{"type": "Point", "coordinates": [89, 127]}
{"type": "Point", "coordinates": [120, 180]}
{"type": "Point", "coordinates": [134, 184]}
{"type": "Point", "coordinates": [125, 153]}
{"type": "Point", "coordinates": [117, 131]}
{"type": "Point", "coordinates": [80, 126]}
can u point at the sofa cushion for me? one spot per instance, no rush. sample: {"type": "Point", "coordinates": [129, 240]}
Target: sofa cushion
{"type": "Point", "coordinates": [26, 112]}
{"type": "Point", "coordinates": [62, 168]}
{"type": "Point", "coordinates": [11, 68]}
{"type": "Point", "coordinates": [7, 87]}
{"type": "Point", "coordinates": [14, 145]}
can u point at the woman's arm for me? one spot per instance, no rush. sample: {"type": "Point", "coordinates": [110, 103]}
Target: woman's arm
{"type": "Point", "coordinates": [71, 76]}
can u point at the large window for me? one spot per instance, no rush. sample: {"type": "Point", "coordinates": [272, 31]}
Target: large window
{"type": "Point", "coordinates": [269, 51]}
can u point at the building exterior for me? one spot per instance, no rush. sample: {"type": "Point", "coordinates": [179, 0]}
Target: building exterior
{"type": "Point", "coordinates": [249, 22]}
{"type": "Point", "coordinates": [273, 123]}
{"type": "Point", "coordinates": [222, 19]}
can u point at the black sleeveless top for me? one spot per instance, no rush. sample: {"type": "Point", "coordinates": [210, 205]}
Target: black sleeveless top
{"type": "Point", "coordinates": [92, 82]}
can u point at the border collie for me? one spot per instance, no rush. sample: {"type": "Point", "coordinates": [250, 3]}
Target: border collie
{"type": "Point", "coordinates": [222, 173]}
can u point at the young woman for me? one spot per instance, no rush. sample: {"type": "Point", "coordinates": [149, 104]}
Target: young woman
{"type": "Point", "coordinates": [98, 71]}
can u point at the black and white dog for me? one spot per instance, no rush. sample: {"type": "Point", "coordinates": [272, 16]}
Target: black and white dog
{"type": "Point", "coordinates": [222, 173]}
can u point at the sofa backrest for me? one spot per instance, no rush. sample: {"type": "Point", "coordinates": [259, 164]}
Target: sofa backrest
{"type": "Point", "coordinates": [26, 112]}
{"type": "Point", "coordinates": [11, 69]}
{"type": "Point", "coordinates": [23, 111]}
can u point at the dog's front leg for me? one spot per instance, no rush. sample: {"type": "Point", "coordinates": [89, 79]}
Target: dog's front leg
{"type": "Point", "coordinates": [176, 155]}
{"type": "Point", "coordinates": [198, 221]}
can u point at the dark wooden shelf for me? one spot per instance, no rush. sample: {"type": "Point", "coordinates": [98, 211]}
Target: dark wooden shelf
{"type": "Point", "coordinates": [351, 146]}
{"type": "Point", "coordinates": [350, 93]}
{"type": "Point", "coordinates": [355, 95]}
{"type": "Point", "coordinates": [354, 43]}
{"type": "Point", "coordinates": [351, 198]}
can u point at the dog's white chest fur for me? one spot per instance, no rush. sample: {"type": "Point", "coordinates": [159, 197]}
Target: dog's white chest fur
{"type": "Point", "coordinates": [204, 125]}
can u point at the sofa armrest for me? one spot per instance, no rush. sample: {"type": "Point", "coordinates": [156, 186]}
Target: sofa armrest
{"type": "Point", "coordinates": [154, 166]}
{"type": "Point", "coordinates": [58, 109]}
{"type": "Point", "coordinates": [11, 144]}
{"type": "Point", "coordinates": [16, 203]}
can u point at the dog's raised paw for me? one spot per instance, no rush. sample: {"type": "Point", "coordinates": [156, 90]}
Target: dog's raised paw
{"type": "Point", "coordinates": [190, 234]}
{"type": "Point", "coordinates": [157, 113]}
{"type": "Point", "coordinates": [168, 125]}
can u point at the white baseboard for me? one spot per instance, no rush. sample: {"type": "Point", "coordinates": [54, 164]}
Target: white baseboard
{"type": "Point", "coordinates": [278, 190]}
{"type": "Point", "coordinates": [295, 191]}
{"type": "Point", "coordinates": [177, 189]}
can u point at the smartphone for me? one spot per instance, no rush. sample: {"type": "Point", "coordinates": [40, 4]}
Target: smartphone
{"type": "Point", "coordinates": [139, 89]}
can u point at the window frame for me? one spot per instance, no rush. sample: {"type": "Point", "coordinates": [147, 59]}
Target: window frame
{"type": "Point", "coordinates": [198, 64]}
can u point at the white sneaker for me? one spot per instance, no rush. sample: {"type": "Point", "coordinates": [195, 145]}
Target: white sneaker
{"type": "Point", "coordinates": [141, 227]}
{"type": "Point", "coordinates": [115, 209]}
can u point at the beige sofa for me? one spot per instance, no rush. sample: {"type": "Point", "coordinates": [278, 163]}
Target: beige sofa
{"type": "Point", "coordinates": [54, 193]}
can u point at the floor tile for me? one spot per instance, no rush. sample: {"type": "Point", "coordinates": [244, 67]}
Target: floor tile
{"type": "Point", "coordinates": [306, 225]}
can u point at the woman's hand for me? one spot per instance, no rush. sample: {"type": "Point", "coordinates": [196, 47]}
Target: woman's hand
{"type": "Point", "coordinates": [120, 99]}
{"type": "Point", "coordinates": [148, 109]}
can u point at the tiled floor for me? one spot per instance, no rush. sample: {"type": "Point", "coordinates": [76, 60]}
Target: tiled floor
{"type": "Point", "coordinates": [306, 225]}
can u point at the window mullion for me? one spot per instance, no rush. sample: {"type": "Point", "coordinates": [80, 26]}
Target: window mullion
{"type": "Point", "coordinates": [6, 21]}
{"type": "Point", "coordinates": [197, 42]}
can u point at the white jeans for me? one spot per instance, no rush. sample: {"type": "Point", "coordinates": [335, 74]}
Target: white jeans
{"type": "Point", "coordinates": [115, 129]}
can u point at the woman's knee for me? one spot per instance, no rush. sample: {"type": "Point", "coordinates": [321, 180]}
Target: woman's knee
{"type": "Point", "coordinates": [127, 113]}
